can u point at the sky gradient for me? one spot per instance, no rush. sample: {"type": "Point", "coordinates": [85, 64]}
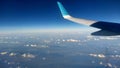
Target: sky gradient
{"type": "Point", "coordinates": [44, 14]}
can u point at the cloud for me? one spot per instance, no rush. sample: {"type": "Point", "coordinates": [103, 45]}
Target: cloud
{"type": "Point", "coordinates": [98, 55]}
{"type": "Point", "coordinates": [3, 53]}
{"type": "Point", "coordinates": [71, 40]}
{"type": "Point", "coordinates": [108, 38]}
{"type": "Point", "coordinates": [28, 55]}
{"type": "Point", "coordinates": [12, 54]}
{"type": "Point", "coordinates": [36, 46]}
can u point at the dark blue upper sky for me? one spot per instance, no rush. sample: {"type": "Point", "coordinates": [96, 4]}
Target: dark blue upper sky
{"type": "Point", "coordinates": [45, 13]}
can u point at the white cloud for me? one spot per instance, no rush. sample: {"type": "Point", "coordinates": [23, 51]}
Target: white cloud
{"type": "Point", "coordinates": [3, 53]}
{"type": "Point", "coordinates": [72, 40]}
{"type": "Point", "coordinates": [28, 55]}
{"type": "Point", "coordinates": [98, 55]}
{"type": "Point", "coordinates": [12, 54]}
{"type": "Point", "coordinates": [31, 45]}
{"type": "Point", "coordinates": [109, 64]}
{"type": "Point", "coordinates": [108, 38]}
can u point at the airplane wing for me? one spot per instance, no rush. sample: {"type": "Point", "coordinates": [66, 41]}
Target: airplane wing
{"type": "Point", "coordinates": [77, 20]}
{"type": "Point", "coordinates": [107, 28]}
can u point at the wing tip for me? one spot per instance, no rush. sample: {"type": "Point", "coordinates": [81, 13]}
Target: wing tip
{"type": "Point", "coordinates": [62, 9]}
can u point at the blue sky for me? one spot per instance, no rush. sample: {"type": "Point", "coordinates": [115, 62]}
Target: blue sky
{"type": "Point", "coordinates": [44, 14]}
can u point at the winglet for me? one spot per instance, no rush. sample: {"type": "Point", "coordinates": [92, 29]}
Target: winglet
{"type": "Point", "coordinates": [63, 10]}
